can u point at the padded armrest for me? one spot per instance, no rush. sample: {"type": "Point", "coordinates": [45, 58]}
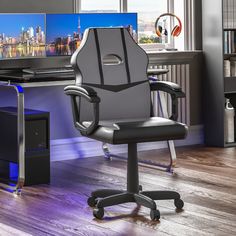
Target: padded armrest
{"type": "Point", "coordinates": [91, 96]}
{"type": "Point", "coordinates": [83, 91]}
{"type": "Point", "coordinates": [173, 89]}
{"type": "Point", "coordinates": [168, 87]}
{"type": "Point", "coordinates": [157, 71]}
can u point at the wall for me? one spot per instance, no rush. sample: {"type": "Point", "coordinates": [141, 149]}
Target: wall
{"type": "Point", "coordinates": [37, 6]}
{"type": "Point", "coordinates": [198, 20]}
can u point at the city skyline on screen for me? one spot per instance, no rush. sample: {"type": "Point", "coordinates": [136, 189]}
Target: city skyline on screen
{"type": "Point", "coordinates": [40, 35]}
{"type": "Point", "coordinates": [22, 35]}
{"type": "Point", "coordinates": [62, 25]}
{"type": "Point", "coordinates": [12, 24]}
{"type": "Point", "coordinates": [65, 31]}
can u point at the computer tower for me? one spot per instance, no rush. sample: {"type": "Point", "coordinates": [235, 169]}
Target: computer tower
{"type": "Point", "coordinates": [37, 145]}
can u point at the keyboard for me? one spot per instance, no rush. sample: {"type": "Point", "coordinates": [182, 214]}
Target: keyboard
{"type": "Point", "coordinates": [42, 71]}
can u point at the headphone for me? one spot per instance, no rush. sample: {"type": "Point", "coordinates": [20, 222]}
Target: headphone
{"type": "Point", "coordinates": [175, 31]}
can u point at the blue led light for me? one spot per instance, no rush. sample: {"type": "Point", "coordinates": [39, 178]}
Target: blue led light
{"type": "Point", "coordinates": [20, 89]}
{"type": "Point", "coordinates": [13, 169]}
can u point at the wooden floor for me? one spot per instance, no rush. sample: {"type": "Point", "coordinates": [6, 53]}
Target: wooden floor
{"type": "Point", "coordinates": [205, 178]}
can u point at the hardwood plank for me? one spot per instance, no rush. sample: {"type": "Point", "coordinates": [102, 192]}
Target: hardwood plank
{"type": "Point", "coordinates": [205, 178]}
{"type": "Point", "coordinates": [9, 231]}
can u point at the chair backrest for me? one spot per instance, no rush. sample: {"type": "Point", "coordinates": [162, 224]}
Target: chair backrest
{"type": "Point", "coordinates": [112, 63]}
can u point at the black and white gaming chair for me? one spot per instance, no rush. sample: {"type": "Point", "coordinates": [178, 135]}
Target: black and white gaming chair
{"type": "Point", "coordinates": [111, 102]}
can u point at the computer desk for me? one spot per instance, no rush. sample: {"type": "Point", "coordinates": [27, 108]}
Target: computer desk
{"type": "Point", "coordinates": [18, 81]}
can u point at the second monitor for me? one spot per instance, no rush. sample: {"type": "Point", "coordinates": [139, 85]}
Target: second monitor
{"type": "Point", "coordinates": [64, 32]}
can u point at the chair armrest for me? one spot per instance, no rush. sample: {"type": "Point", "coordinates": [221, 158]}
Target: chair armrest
{"type": "Point", "coordinates": [90, 95]}
{"type": "Point", "coordinates": [157, 71]}
{"type": "Point", "coordinates": [153, 73]}
{"type": "Point", "coordinates": [168, 87]}
{"type": "Point", "coordinates": [82, 91]}
{"type": "Point", "coordinates": [173, 89]}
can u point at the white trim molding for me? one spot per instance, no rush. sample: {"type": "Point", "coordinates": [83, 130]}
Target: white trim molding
{"type": "Point", "coordinates": [189, 19]}
{"type": "Point", "coordinates": [77, 6]}
{"type": "Point", "coordinates": [123, 6]}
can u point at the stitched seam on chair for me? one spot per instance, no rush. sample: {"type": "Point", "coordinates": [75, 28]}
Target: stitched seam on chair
{"type": "Point", "coordinates": [125, 54]}
{"type": "Point", "coordinates": [116, 88]}
{"type": "Point", "coordinates": [99, 56]}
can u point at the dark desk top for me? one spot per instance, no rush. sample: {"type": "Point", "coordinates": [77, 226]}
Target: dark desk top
{"type": "Point", "coordinates": [50, 79]}
{"type": "Point", "coordinates": [19, 77]}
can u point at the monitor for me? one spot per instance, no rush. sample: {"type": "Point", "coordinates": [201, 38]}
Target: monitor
{"type": "Point", "coordinates": [65, 31]}
{"type": "Point", "coordinates": [22, 36]}
{"type": "Point", "coordinates": [30, 40]}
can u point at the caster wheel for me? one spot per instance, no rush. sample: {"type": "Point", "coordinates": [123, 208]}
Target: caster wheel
{"type": "Point", "coordinates": [92, 201]}
{"type": "Point", "coordinates": [140, 188]}
{"type": "Point", "coordinates": [155, 215]}
{"type": "Point", "coordinates": [98, 213]}
{"type": "Point", "coordinates": [179, 204]}
{"type": "Point", "coordinates": [108, 157]}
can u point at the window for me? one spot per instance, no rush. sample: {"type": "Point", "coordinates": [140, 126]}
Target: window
{"type": "Point", "coordinates": [100, 6]}
{"type": "Point", "coordinates": [148, 11]}
{"type": "Point", "coordinates": [179, 11]}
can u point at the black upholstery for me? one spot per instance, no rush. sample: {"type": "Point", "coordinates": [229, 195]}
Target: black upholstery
{"type": "Point", "coordinates": [136, 131]}
{"type": "Point", "coordinates": [111, 102]}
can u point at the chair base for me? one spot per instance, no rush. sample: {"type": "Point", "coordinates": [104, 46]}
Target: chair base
{"type": "Point", "coordinates": [169, 167]}
{"type": "Point", "coordinates": [109, 197]}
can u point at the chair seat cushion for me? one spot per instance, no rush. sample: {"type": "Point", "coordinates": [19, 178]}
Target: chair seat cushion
{"type": "Point", "coordinates": [136, 131]}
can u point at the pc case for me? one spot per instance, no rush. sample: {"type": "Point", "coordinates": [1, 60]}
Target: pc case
{"type": "Point", "coordinates": [37, 145]}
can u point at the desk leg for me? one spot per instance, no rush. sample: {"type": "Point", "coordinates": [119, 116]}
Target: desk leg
{"type": "Point", "coordinates": [171, 145]}
{"type": "Point", "coordinates": [20, 135]}
{"type": "Point", "coordinates": [20, 139]}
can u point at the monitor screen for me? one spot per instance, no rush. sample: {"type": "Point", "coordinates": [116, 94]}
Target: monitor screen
{"type": "Point", "coordinates": [22, 36]}
{"type": "Point", "coordinates": [65, 31]}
